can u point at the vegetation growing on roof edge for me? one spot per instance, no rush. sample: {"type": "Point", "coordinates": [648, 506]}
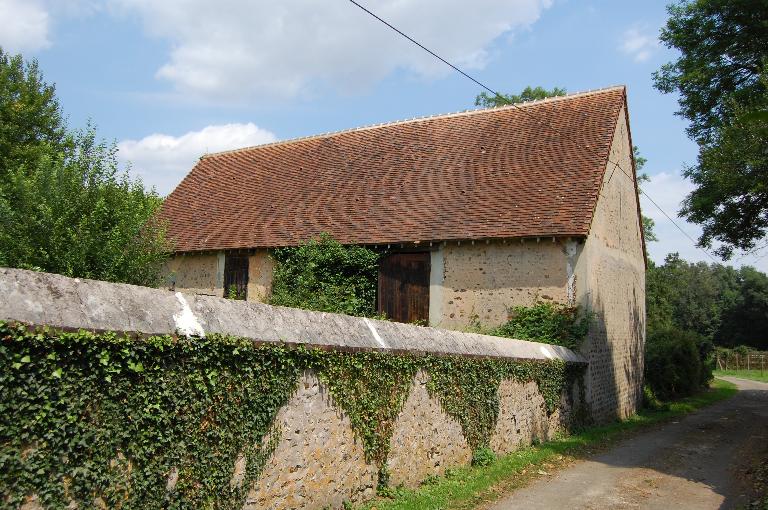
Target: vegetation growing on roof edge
{"type": "Point", "coordinates": [85, 416]}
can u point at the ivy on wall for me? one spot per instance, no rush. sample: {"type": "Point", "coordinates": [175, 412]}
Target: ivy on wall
{"type": "Point", "coordinates": [549, 323]}
{"type": "Point", "coordinates": [326, 276]}
{"type": "Point", "coordinates": [85, 416]}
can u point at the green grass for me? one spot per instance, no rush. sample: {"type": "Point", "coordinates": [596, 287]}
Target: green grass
{"type": "Point", "coordinates": [754, 375]}
{"type": "Point", "coordinates": [466, 487]}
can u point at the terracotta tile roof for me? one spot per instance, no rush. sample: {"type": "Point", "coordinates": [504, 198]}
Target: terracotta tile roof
{"type": "Point", "coordinates": [496, 173]}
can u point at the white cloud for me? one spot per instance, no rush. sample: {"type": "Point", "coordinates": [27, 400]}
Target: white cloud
{"type": "Point", "coordinates": [639, 44]}
{"type": "Point", "coordinates": [246, 50]}
{"type": "Point", "coordinates": [24, 26]}
{"type": "Point", "coordinates": [162, 160]}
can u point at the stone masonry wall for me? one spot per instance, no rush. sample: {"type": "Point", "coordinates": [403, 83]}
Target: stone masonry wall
{"type": "Point", "coordinates": [482, 281]}
{"type": "Point", "coordinates": [610, 281]}
{"type": "Point", "coordinates": [318, 461]}
{"type": "Point", "coordinates": [203, 273]}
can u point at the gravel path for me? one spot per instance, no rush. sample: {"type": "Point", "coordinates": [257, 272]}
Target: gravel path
{"type": "Point", "coordinates": [698, 462]}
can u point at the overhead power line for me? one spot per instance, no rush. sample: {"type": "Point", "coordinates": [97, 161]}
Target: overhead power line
{"type": "Point", "coordinates": [530, 114]}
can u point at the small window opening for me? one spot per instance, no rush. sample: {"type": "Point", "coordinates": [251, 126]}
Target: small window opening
{"type": "Point", "coordinates": [236, 276]}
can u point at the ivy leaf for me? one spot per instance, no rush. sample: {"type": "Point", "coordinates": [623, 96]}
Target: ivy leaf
{"type": "Point", "coordinates": [26, 359]}
{"type": "Point", "coordinates": [136, 367]}
{"type": "Point", "coordinates": [57, 373]}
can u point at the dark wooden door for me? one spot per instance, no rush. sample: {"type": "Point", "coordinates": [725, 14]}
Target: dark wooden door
{"type": "Point", "coordinates": [236, 276]}
{"type": "Point", "coordinates": [404, 287]}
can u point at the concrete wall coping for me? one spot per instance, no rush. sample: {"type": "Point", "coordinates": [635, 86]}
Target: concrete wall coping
{"type": "Point", "coordinates": [45, 299]}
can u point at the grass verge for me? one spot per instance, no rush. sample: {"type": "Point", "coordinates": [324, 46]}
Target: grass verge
{"type": "Point", "coordinates": [467, 487]}
{"type": "Point", "coordinates": [754, 375]}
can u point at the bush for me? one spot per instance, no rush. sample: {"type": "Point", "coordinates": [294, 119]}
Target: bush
{"type": "Point", "coordinates": [674, 365]}
{"type": "Point", "coordinates": [547, 323]}
{"type": "Point", "coordinates": [326, 276]}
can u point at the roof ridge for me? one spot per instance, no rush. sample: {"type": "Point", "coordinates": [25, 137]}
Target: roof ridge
{"type": "Point", "coordinates": [471, 111]}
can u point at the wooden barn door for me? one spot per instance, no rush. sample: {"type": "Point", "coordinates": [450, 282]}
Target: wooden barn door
{"type": "Point", "coordinates": [404, 287]}
{"type": "Point", "coordinates": [236, 276]}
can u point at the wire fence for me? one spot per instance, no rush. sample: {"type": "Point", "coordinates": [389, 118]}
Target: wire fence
{"type": "Point", "coordinates": [735, 361]}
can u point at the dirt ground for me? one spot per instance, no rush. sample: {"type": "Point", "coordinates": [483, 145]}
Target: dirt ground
{"type": "Point", "coordinates": [705, 460]}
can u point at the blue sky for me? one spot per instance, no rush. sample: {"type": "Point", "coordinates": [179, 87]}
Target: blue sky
{"type": "Point", "coordinates": [170, 80]}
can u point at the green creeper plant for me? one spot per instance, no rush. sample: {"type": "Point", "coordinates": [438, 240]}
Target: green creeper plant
{"type": "Point", "coordinates": [327, 276]}
{"type": "Point", "coordinates": [86, 416]}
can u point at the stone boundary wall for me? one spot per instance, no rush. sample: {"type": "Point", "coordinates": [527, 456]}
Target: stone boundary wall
{"type": "Point", "coordinates": [73, 303]}
{"type": "Point", "coordinates": [318, 462]}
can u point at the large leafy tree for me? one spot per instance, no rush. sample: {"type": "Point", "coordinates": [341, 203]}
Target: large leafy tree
{"type": "Point", "coordinates": [31, 121]}
{"type": "Point", "coordinates": [534, 93]}
{"type": "Point", "coordinates": [721, 304]}
{"type": "Point", "coordinates": [65, 205]}
{"type": "Point", "coordinates": [721, 80]}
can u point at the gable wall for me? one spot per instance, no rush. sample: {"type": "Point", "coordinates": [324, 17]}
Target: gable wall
{"type": "Point", "coordinates": [610, 281]}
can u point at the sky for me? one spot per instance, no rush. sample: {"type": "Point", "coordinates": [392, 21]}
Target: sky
{"type": "Point", "coordinates": [171, 80]}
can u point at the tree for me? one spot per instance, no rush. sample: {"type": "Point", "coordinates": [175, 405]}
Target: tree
{"type": "Point", "coordinates": [533, 93]}
{"type": "Point", "coordinates": [528, 94]}
{"type": "Point", "coordinates": [31, 121]}
{"type": "Point", "coordinates": [648, 224]}
{"type": "Point", "coordinates": [723, 87]}
{"type": "Point", "coordinates": [745, 321]}
{"type": "Point", "coordinates": [722, 305]}
{"type": "Point", "coordinates": [65, 205]}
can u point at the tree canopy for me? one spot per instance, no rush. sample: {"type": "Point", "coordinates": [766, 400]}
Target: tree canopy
{"type": "Point", "coordinates": [724, 305]}
{"type": "Point", "coordinates": [31, 121]}
{"type": "Point", "coordinates": [721, 80]}
{"type": "Point", "coordinates": [528, 94]}
{"type": "Point", "coordinates": [65, 205]}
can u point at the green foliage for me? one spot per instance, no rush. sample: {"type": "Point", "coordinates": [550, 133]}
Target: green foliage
{"type": "Point", "coordinates": [549, 323]}
{"type": "Point", "coordinates": [674, 367]}
{"type": "Point", "coordinates": [65, 207]}
{"type": "Point", "coordinates": [84, 415]}
{"type": "Point", "coordinates": [232, 293]}
{"type": "Point", "coordinates": [528, 94]}
{"type": "Point", "coordinates": [726, 306]}
{"type": "Point", "coordinates": [371, 388]}
{"type": "Point", "coordinates": [327, 276]}
{"type": "Point", "coordinates": [468, 389]}
{"type": "Point", "coordinates": [722, 54]}
{"type": "Point", "coordinates": [722, 82]}
{"type": "Point", "coordinates": [483, 457]}
{"type": "Point", "coordinates": [31, 121]}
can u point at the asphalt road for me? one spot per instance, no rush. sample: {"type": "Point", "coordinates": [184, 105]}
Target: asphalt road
{"type": "Point", "coordinates": [698, 462]}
